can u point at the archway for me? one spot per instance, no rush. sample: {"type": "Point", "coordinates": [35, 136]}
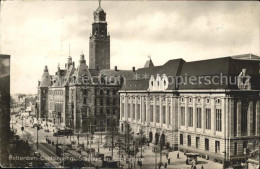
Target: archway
{"type": "Point", "coordinates": [150, 136]}
{"type": "Point", "coordinates": [156, 138]}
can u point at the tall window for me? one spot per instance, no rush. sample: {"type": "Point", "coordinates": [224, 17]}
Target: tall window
{"type": "Point", "coordinates": [151, 113]}
{"type": "Point", "coordinates": [235, 148]}
{"type": "Point", "coordinates": [254, 117]}
{"type": "Point", "coordinates": [101, 102]}
{"type": "Point", "coordinates": [138, 111]}
{"type": "Point", "coordinates": [235, 117]}
{"type": "Point", "coordinates": [133, 112]}
{"type": "Point", "coordinates": [206, 144]}
{"type": "Point", "coordinates": [244, 117]}
{"type": "Point", "coordinates": [190, 114]}
{"type": "Point", "coordinates": [101, 91]}
{"type": "Point", "coordinates": [183, 116]}
{"type": "Point", "coordinates": [169, 114]}
{"type": "Point", "coordinates": [85, 101]}
{"type": "Point", "coordinates": [157, 113]}
{"type": "Point", "coordinates": [128, 110]}
{"type": "Point", "coordinates": [189, 140]}
{"type": "Point", "coordinates": [114, 101]}
{"type": "Point", "coordinates": [123, 109]}
{"type": "Point", "coordinates": [108, 101]}
{"type": "Point", "coordinates": [181, 139]}
{"type": "Point", "coordinates": [208, 119]}
{"type": "Point", "coordinates": [198, 117]}
{"type": "Point", "coordinates": [218, 120]}
{"type": "Point", "coordinates": [144, 112]}
{"type": "Point", "coordinates": [163, 115]}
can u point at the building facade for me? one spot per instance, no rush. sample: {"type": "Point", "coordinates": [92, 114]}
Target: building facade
{"type": "Point", "coordinates": [211, 106]}
{"type": "Point", "coordinates": [81, 97]}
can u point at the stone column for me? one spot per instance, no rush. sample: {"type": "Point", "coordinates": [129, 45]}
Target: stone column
{"type": "Point", "coordinates": [203, 114]}
{"type": "Point", "coordinates": [179, 111]}
{"type": "Point", "coordinates": [223, 116]}
{"type": "Point", "coordinates": [167, 101]}
{"type": "Point", "coordinates": [160, 113]}
{"type": "Point", "coordinates": [194, 113]}
{"type": "Point", "coordinates": [125, 107]}
{"type": "Point", "coordinates": [186, 112]}
{"type": "Point", "coordinates": [231, 117]}
{"type": "Point", "coordinates": [142, 109]}
{"type": "Point", "coordinates": [238, 117]}
{"type": "Point", "coordinates": [147, 110]}
{"type": "Point", "coordinates": [136, 109]}
{"type": "Point", "coordinates": [154, 110]}
{"type": "Point", "coordinates": [131, 108]}
{"type": "Point", "coordinates": [174, 113]}
{"type": "Point", "coordinates": [121, 108]}
{"type": "Point", "coordinates": [213, 115]}
{"type": "Point", "coordinates": [250, 118]}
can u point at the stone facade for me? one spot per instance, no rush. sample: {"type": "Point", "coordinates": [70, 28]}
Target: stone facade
{"type": "Point", "coordinates": [219, 122]}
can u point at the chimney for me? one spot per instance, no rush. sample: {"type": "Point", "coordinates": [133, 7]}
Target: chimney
{"type": "Point", "coordinates": [115, 68]}
{"type": "Point", "coordinates": [133, 69]}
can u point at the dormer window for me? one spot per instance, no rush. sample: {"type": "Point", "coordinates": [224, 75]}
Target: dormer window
{"type": "Point", "coordinates": [182, 100]}
{"type": "Point", "coordinates": [207, 100]}
{"type": "Point", "coordinates": [218, 101]}
{"type": "Point", "coordinates": [190, 99]}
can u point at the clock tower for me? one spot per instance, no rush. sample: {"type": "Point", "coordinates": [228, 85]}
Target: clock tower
{"type": "Point", "coordinates": [99, 41]}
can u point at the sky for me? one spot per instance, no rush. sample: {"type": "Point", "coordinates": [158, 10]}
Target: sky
{"type": "Point", "coordinates": [39, 33]}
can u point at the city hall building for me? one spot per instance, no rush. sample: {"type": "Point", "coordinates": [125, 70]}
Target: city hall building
{"type": "Point", "coordinates": [211, 107]}
{"type": "Point", "coordinates": [79, 96]}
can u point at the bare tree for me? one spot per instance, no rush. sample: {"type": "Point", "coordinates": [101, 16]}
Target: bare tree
{"type": "Point", "coordinates": [26, 136]}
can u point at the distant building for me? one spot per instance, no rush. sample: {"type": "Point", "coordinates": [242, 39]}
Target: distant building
{"type": "Point", "coordinates": [4, 109]}
{"type": "Point", "coordinates": [210, 106]}
{"type": "Point", "coordinates": [79, 96]}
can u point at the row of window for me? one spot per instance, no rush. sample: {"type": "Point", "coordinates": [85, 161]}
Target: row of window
{"type": "Point", "coordinates": [198, 122]}
{"type": "Point", "coordinates": [198, 142]}
{"type": "Point", "coordinates": [198, 100]}
{"type": "Point", "coordinates": [56, 92]}
{"type": "Point", "coordinates": [106, 92]}
{"type": "Point", "coordinates": [108, 111]}
{"type": "Point", "coordinates": [157, 115]}
{"type": "Point", "coordinates": [108, 101]}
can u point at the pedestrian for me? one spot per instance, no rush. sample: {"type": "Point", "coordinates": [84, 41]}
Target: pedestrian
{"type": "Point", "coordinates": [178, 155]}
{"type": "Point", "coordinates": [165, 165]}
{"type": "Point", "coordinates": [202, 167]}
{"type": "Point", "coordinates": [160, 165]}
{"type": "Point", "coordinates": [167, 155]}
{"type": "Point", "coordinates": [169, 161]}
{"type": "Point", "coordinates": [148, 144]}
{"type": "Point", "coordinates": [186, 161]}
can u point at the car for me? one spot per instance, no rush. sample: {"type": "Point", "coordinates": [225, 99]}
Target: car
{"type": "Point", "coordinates": [47, 130]}
{"type": "Point", "coordinates": [26, 125]}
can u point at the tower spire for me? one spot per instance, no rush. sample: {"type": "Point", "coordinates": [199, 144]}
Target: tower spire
{"type": "Point", "coordinates": [99, 3]}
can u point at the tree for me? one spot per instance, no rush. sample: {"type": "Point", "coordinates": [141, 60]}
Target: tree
{"type": "Point", "coordinates": [26, 136]}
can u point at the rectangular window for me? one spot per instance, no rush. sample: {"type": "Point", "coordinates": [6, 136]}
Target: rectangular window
{"type": "Point", "coordinates": [101, 102]}
{"type": "Point", "coordinates": [114, 101]}
{"type": "Point", "coordinates": [138, 111]}
{"type": "Point", "coordinates": [101, 111]}
{"type": "Point", "coordinates": [108, 91]}
{"type": "Point", "coordinates": [245, 106]}
{"type": "Point", "coordinates": [151, 113]}
{"type": "Point", "coordinates": [198, 117]}
{"type": "Point", "coordinates": [208, 118]}
{"type": "Point", "coordinates": [190, 114]}
{"type": "Point", "coordinates": [164, 115]}
{"type": "Point", "coordinates": [108, 111]}
{"type": "Point", "coordinates": [189, 140]}
{"type": "Point", "coordinates": [183, 116]}
{"type": "Point", "coordinates": [169, 115]}
{"type": "Point", "coordinates": [254, 117]}
{"type": "Point", "coordinates": [85, 91]}
{"type": "Point", "coordinates": [197, 142]}
{"type": "Point", "coordinates": [218, 120]}
{"type": "Point", "coordinates": [157, 114]}
{"type": "Point", "coordinates": [101, 92]}
{"type": "Point", "coordinates": [123, 109]}
{"type": "Point", "coordinates": [85, 101]}
{"type": "Point", "coordinates": [128, 110]}
{"type": "Point", "coordinates": [144, 112]}
{"type": "Point", "coordinates": [108, 101]}
{"type": "Point", "coordinates": [217, 147]}
{"type": "Point", "coordinates": [133, 112]}
{"type": "Point", "coordinates": [206, 144]}
{"type": "Point", "coordinates": [235, 148]}
{"type": "Point", "coordinates": [181, 139]}
{"type": "Point", "coordinates": [235, 117]}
